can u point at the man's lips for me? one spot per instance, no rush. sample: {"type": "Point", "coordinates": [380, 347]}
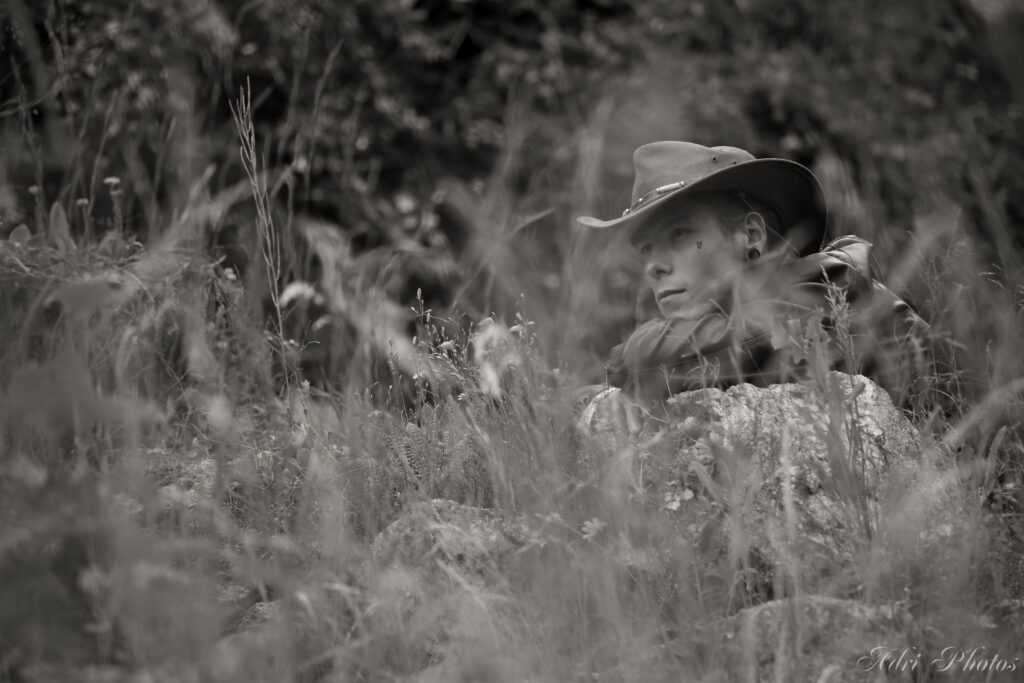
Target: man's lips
{"type": "Point", "coordinates": [669, 292]}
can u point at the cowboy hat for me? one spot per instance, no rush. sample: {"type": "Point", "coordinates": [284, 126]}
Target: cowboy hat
{"type": "Point", "coordinates": [668, 171]}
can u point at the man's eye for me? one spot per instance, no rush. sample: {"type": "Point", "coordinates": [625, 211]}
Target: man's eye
{"type": "Point", "coordinates": [679, 232]}
{"type": "Point", "coordinates": [645, 249]}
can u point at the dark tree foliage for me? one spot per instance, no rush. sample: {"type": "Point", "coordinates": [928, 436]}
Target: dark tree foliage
{"type": "Point", "coordinates": [409, 89]}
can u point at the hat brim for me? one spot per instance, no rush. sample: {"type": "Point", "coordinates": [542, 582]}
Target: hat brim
{"type": "Point", "coordinates": [788, 187]}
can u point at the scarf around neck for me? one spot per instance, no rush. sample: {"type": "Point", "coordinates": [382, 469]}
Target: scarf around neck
{"type": "Point", "coordinates": [664, 356]}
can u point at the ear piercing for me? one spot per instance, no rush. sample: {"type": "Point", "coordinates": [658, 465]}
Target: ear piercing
{"type": "Point", "coordinates": [753, 254]}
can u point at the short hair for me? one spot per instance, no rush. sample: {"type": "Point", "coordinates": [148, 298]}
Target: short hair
{"type": "Point", "coordinates": [744, 203]}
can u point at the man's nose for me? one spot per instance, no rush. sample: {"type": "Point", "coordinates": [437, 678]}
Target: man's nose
{"type": "Point", "coordinates": [657, 268]}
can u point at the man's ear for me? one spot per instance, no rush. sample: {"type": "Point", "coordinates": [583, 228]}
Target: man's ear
{"type": "Point", "coordinates": [754, 232]}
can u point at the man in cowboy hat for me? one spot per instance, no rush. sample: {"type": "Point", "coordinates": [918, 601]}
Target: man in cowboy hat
{"type": "Point", "coordinates": [733, 259]}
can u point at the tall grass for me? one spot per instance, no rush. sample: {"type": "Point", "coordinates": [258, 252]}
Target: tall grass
{"type": "Point", "coordinates": [169, 517]}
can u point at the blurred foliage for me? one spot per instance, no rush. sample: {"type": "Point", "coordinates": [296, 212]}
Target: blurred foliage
{"type": "Point", "coordinates": [386, 95]}
{"type": "Point", "coordinates": [394, 90]}
{"type": "Point", "coordinates": [431, 154]}
{"type": "Point", "coordinates": [369, 110]}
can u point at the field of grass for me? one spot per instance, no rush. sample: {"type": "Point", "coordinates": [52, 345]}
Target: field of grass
{"type": "Point", "coordinates": [173, 512]}
{"type": "Point", "coordinates": [179, 502]}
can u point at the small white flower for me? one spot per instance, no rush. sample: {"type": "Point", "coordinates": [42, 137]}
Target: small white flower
{"type": "Point", "coordinates": [536, 538]}
{"type": "Point", "coordinates": [296, 290]}
{"type": "Point", "coordinates": [552, 518]}
{"type": "Point", "coordinates": [494, 351]}
{"type": "Point", "coordinates": [985, 621]}
{"type": "Point", "coordinates": [592, 527]}
{"type": "Point", "coordinates": [405, 203]}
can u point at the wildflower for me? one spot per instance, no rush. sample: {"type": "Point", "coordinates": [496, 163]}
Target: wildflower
{"type": "Point", "coordinates": [295, 291]}
{"type": "Point", "coordinates": [536, 538]}
{"type": "Point", "coordinates": [111, 181]}
{"type": "Point", "coordinates": [493, 353]}
{"type": "Point", "coordinates": [27, 472]}
{"type": "Point", "coordinates": [219, 414]}
{"type": "Point", "coordinates": [82, 201]}
{"type": "Point", "coordinates": [551, 518]}
{"type": "Point", "coordinates": [985, 621]}
{"type": "Point", "coordinates": [33, 190]}
{"type": "Point", "coordinates": [592, 527]}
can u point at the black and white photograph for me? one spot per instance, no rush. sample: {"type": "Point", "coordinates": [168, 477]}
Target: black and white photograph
{"type": "Point", "coordinates": [511, 341]}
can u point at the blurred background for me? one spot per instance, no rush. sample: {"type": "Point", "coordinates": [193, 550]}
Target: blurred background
{"type": "Point", "coordinates": [413, 168]}
{"type": "Point", "coordinates": [448, 145]}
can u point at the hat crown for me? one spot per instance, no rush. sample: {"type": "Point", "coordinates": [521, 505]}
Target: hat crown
{"type": "Point", "coordinates": [659, 164]}
{"type": "Point", "coordinates": [668, 172]}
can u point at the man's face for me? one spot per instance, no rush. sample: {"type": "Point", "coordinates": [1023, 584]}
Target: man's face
{"type": "Point", "coordinates": [690, 260]}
